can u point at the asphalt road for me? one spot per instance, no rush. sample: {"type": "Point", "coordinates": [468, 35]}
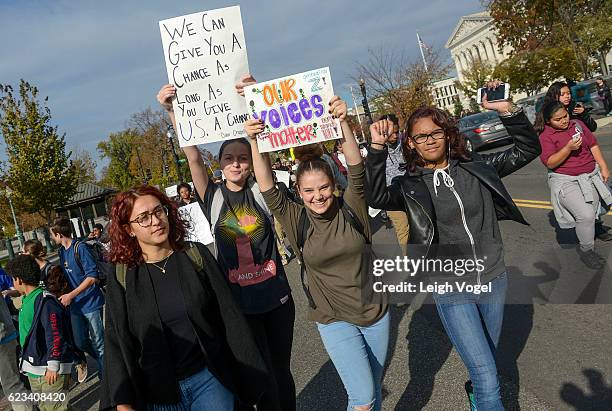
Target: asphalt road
{"type": "Point", "coordinates": [551, 356]}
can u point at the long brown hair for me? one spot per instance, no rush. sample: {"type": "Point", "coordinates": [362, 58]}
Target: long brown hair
{"type": "Point", "coordinates": [454, 140]}
{"type": "Point", "coordinates": [124, 248]}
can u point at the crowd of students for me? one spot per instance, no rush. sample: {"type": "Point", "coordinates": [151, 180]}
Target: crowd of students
{"type": "Point", "coordinates": [187, 327]}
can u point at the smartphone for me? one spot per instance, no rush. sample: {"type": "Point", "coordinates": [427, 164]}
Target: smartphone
{"type": "Point", "coordinates": [576, 136]}
{"type": "Point", "coordinates": [497, 94]}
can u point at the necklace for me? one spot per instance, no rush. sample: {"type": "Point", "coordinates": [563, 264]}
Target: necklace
{"type": "Point", "coordinates": [167, 258]}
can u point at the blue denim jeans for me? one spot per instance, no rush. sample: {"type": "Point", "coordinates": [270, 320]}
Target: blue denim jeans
{"type": "Point", "coordinates": [200, 392]}
{"type": "Point", "coordinates": [88, 331]}
{"type": "Point", "coordinates": [473, 324]}
{"type": "Point", "coordinates": [359, 355]}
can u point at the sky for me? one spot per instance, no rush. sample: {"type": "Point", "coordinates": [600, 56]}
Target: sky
{"type": "Point", "coordinates": [101, 61]}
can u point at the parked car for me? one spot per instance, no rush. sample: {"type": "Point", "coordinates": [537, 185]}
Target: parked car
{"type": "Point", "coordinates": [483, 130]}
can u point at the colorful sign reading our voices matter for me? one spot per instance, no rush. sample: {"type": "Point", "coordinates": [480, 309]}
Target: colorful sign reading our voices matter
{"type": "Point", "coordinates": [294, 110]}
{"type": "Point", "coordinates": [205, 57]}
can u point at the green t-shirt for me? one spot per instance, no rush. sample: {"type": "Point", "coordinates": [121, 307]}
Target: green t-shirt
{"type": "Point", "coordinates": [26, 318]}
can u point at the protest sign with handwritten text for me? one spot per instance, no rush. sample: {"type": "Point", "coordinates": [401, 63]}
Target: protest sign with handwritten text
{"type": "Point", "coordinates": [205, 56]}
{"type": "Point", "coordinates": [294, 110]}
{"type": "Point", "coordinates": [198, 227]}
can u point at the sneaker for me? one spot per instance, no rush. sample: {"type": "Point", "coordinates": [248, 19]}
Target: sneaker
{"type": "Point", "coordinates": [470, 393]}
{"type": "Point", "coordinates": [81, 370]}
{"type": "Point", "coordinates": [591, 259]}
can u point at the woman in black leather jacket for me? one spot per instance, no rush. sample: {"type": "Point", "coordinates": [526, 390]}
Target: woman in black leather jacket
{"type": "Point", "coordinates": [453, 200]}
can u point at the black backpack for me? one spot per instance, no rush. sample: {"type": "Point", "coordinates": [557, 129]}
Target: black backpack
{"type": "Point", "coordinates": [304, 225]}
{"type": "Point", "coordinates": [97, 252]}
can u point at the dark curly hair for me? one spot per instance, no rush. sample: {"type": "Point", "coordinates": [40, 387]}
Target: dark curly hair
{"type": "Point", "coordinates": [56, 282]}
{"type": "Point", "coordinates": [25, 268]}
{"type": "Point", "coordinates": [455, 140]}
{"type": "Point", "coordinates": [125, 249]}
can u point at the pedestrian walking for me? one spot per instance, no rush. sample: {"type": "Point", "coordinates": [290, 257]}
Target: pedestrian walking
{"type": "Point", "coordinates": [247, 251]}
{"type": "Point", "coordinates": [577, 177]}
{"type": "Point", "coordinates": [175, 338]}
{"type": "Point", "coordinates": [603, 90]}
{"type": "Point", "coordinates": [454, 198]}
{"type": "Point", "coordinates": [330, 234]}
{"type": "Point", "coordinates": [86, 299]}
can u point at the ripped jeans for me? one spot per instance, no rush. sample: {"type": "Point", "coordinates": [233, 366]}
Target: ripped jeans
{"type": "Point", "coordinates": [359, 355]}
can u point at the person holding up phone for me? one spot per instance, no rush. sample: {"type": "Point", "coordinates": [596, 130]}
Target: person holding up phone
{"type": "Point", "coordinates": [454, 199]}
{"type": "Point", "coordinates": [577, 176]}
{"type": "Point", "coordinates": [560, 91]}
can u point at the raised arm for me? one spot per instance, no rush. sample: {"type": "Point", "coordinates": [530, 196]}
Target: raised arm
{"type": "Point", "coordinates": [197, 167]}
{"type": "Point", "coordinates": [378, 194]}
{"type": "Point", "coordinates": [526, 143]}
{"type": "Point", "coordinates": [261, 161]}
{"type": "Point", "coordinates": [350, 148]}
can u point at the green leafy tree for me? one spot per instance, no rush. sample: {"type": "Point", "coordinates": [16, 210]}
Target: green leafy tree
{"type": "Point", "coordinates": [123, 170]}
{"type": "Point", "coordinates": [530, 71]}
{"type": "Point", "coordinates": [38, 169]}
{"type": "Point", "coordinates": [474, 107]}
{"type": "Point", "coordinates": [581, 25]}
{"type": "Point", "coordinates": [457, 108]}
{"type": "Point", "coordinates": [476, 75]}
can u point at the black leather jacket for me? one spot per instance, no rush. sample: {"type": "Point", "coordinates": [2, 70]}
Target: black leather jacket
{"type": "Point", "coordinates": [410, 194]}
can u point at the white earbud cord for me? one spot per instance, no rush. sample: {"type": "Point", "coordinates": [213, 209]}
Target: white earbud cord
{"type": "Point", "coordinates": [449, 182]}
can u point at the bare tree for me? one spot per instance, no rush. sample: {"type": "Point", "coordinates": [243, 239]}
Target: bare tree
{"type": "Point", "coordinates": [398, 85]}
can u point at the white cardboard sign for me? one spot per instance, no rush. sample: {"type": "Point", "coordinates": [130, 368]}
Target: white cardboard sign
{"type": "Point", "coordinates": [205, 56]}
{"type": "Point", "coordinates": [199, 227]}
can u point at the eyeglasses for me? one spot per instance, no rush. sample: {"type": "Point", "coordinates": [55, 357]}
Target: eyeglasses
{"type": "Point", "coordinates": [436, 135]}
{"type": "Point", "coordinates": [146, 219]}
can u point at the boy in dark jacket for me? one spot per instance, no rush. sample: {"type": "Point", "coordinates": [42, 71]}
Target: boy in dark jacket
{"type": "Point", "coordinates": [44, 335]}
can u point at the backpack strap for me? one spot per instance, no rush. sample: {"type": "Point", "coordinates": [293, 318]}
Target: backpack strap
{"type": "Point", "coordinates": [192, 252]}
{"type": "Point", "coordinates": [351, 217]}
{"type": "Point", "coordinates": [303, 226]}
{"type": "Point", "coordinates": [195, 256]}
{"type": "Point", "coordinates": [120, 271]}
{"type": "Point", "coordinates": [77, 257]}
{"type": "Point", "coordinates": [302, 233]}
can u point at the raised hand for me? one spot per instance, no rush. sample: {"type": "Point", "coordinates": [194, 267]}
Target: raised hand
{"type": "Point", "coordinates": [380, 131]}
{"type": "Point", "coordinates": [165, 96]}
{"type": "Point", "coordinates": [338, 108]}
{"type": "Point", "coordinates": [253, 127]}
{"type": "Point", "coordinates": [245, 80]}
{"type": "Point", "coordinates": [499, 106]}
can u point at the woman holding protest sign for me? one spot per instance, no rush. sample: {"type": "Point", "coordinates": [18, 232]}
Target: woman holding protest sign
{"type": "Point", "coordinates": [175, 338]}
{"type": "Point", "coordinates": [248, 255]}
{"type": "Point", "coordinates": [330, 235]}
{"type": "Point", "coordinates": [453, 201]}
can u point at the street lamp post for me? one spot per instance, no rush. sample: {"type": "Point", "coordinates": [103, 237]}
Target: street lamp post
{"type": "Point", "coordinates": [9, 193]}
{"type": "Point", "coordinates": [170, 135]}
{"type": "Point", "coordinates": [364, 102]}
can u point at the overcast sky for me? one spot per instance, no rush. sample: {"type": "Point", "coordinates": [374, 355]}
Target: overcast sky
{"type": "Point", "coordinates": [101, 61]}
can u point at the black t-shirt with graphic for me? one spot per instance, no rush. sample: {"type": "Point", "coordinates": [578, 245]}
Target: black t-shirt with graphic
{"type": "Point", "coordinates": [246, 251]}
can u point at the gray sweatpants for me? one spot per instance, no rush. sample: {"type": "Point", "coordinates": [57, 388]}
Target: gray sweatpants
{"type": "Point", "coordinates": [9, 377]}
{"type": "Point", "coordinates": [584, 213]}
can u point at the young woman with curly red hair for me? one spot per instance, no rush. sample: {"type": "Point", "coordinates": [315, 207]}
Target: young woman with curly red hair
{"type": "Point", "coordinates": [175, 338]}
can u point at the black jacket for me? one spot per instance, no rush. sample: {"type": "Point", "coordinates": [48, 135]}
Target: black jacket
{"type": "Point", "coordinates": [409, 193]}
{"type": "Point", "coordinates": [49, 344]}
{"type": "Point", "coordinates": [585, 117]}
{"type": "Point", "coordinates": [137, 366]}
